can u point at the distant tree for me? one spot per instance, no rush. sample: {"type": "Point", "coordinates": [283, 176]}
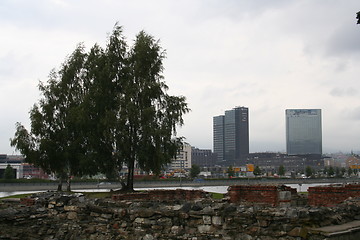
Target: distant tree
{"type": "Point", "coordinates": [194, 171]}
{"type": "Point", "coordinates": [342, 171]}
{"type": "Point", "coordinates": [325, 170]}
{"type": "Point", "coordinates": [350, 171]}
{"type": "Point", "coordinates": [9, 172]}
{"type": "Point", "coordinates": [308, 171]}
{"type": "Point", "coordinates": [257, 171]}
{"type": "Point", "coordinates": [331, 171]}
{"type": "Point", "coordinates": [230, 171]}
{"type": "Point", "coordinates": [338, 172]}
{"type": "Point", "coordinates": [281, 171]}
{"type": "Point", "coordinates": [355, 170]}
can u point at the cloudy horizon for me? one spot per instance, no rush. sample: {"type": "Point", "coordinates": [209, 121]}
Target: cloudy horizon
{"type": "Point", "coordinates": [268, 56]}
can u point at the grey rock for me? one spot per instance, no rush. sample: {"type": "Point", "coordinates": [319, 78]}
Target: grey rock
{"type": "Point", "coordinates": [217, 220]}
{"type": "Point", "coordinates": [148, 237]}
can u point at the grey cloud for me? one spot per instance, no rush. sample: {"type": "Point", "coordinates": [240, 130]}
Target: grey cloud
{"type": "Point", "coordinates": [343, 92]}
{"type": "Point", "coordinates": [22, 13]}
{"type": "Point", "coordinates": [345, 41]}
{"type": "Point", "coordinates": [355, 114]}
{"type": "Point", "coordinates": [235, 8]}
{"type": "Point", "coordinates": [326, 28]}
{"type": "Point", "coordinates": [220, 54]}
{"type": "Point", "coordinates": [12, 67]}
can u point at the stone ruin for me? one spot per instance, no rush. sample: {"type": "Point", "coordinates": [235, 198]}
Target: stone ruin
{"type": "Point", "coordinates": [250, 213]}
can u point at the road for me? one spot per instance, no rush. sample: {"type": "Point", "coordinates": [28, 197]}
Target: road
{"type": "Point", "coordinates": [12, 187]}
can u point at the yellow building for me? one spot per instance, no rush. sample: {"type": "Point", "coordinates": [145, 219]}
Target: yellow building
{"type": "Point", "coordinates": [353, 162]}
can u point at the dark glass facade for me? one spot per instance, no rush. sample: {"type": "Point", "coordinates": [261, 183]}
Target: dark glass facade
{"type": "Point", "coordinates": [203, 157]}
{"type": "Point", "coordinates": [231, 135]}
{"type": "Point", "coordinates": [303, 131]}
{"type": "Point", "coordinates": [218, 137]}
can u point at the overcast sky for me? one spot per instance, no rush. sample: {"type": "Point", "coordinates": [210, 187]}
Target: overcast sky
{"type": "Point", "coordinates": [265, 55]}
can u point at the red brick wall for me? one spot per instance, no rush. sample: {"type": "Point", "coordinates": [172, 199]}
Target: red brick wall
{"type": "Point", "coordinates": [27, 201]}
{"type": "Point", "coordinates": [353, 190]}
{"type": "Point", "coordinates": [257, 194]}
{"type": "Point", "coordinates": [332, 195]}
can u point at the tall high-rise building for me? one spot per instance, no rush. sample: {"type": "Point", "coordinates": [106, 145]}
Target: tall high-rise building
{"type": "Point", "coordinates": [303, 131]}
{"type": "Point", "coordinates": [219, 137]}
{"type": "Point", "coordinates": [231, 135]}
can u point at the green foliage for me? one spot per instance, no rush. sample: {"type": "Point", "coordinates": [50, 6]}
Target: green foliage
{"type": "Point", "coordinates": [281, 170]}
{"type": "Point", "coordinates": [194, 171]}
{"type": "Point", "coordinates": [9, 172]}
{"type": "Point", "coordinates": [257, 171]}
{"type": "Point", "coordinates": [230, 171]}
{"type": "Point", "coordinates": [331, 171]}
{"type": "Point", "coordinates": [55, 142]}
{"type": "Point", "coordinates": [326, 170]}
{"type": "Point", "coordinates": [342, 171]}
{"type": "Point", "coordinates": [104, 109]}
{"type": "Point", "coordinates": [338, 172]}
{"type": "Point", "coordinates": [148, 115]}
{"type": "Point", "coordinates": [308, 171]}
{"type": "Point", "coordinates": [350, 172]}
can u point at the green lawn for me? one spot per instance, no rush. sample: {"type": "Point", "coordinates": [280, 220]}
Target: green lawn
{"type": "Point", "coordinates": [17, 196]}
{"type": "Point", "coordinates": [217, 195]}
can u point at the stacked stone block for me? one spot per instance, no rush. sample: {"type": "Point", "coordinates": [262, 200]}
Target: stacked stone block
{"type": "Point", "coordinates": [55, 216]}
{"type": "Point", "coordinates": [178, 194]}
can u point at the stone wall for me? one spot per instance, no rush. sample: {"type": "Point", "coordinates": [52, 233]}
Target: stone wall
{"type": "Point", "coordinates": [178, 194]}
{"type": "Point", "coordinates": [58, 216]}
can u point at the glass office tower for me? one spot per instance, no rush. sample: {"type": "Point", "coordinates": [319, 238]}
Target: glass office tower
{"type": "Point", "coordinates": [231, 135]}
{"type": "Point", "coordinates": [218, 137]}
{"type": "Point", "coordinates": [303, 131]}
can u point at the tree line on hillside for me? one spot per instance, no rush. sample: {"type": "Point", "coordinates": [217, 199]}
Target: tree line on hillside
{"type": "Point", "coordinates": [104, 108]}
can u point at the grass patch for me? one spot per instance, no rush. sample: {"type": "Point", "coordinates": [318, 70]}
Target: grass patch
{"type": "Point", "coordinates": [98, 194]}
{"type": "Point", "coordinates": [216, 195]}
{"type": "Point", "coordinates": [23, 180]}
{"type": "Point", "coordinates": [17, 196]}
{"type": "Point", "coordinates": [303, 193]}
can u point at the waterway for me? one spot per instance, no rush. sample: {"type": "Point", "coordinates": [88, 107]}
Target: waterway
{"type": "Point", "coordinates": [216, 189]}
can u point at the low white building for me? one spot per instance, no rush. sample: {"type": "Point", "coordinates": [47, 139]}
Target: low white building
{"type": "Point", "coordinates": [14, 161]}
{"type": "Point", "coordinates": [182, 160]}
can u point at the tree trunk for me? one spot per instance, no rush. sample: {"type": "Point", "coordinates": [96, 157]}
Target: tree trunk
{"type": "Point", "coordinates": [68, 187]}
{"type": "Point", "coordinates": [130, 177]}
{"type": "Point", "coordinates": [59, 188]}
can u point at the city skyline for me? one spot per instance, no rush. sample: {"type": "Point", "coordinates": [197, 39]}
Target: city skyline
{"type": "Point", "coordinates": [267, 56]}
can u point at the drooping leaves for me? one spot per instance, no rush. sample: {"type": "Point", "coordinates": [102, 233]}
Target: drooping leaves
{"type": "Point", "coordinates": [104, 109]}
